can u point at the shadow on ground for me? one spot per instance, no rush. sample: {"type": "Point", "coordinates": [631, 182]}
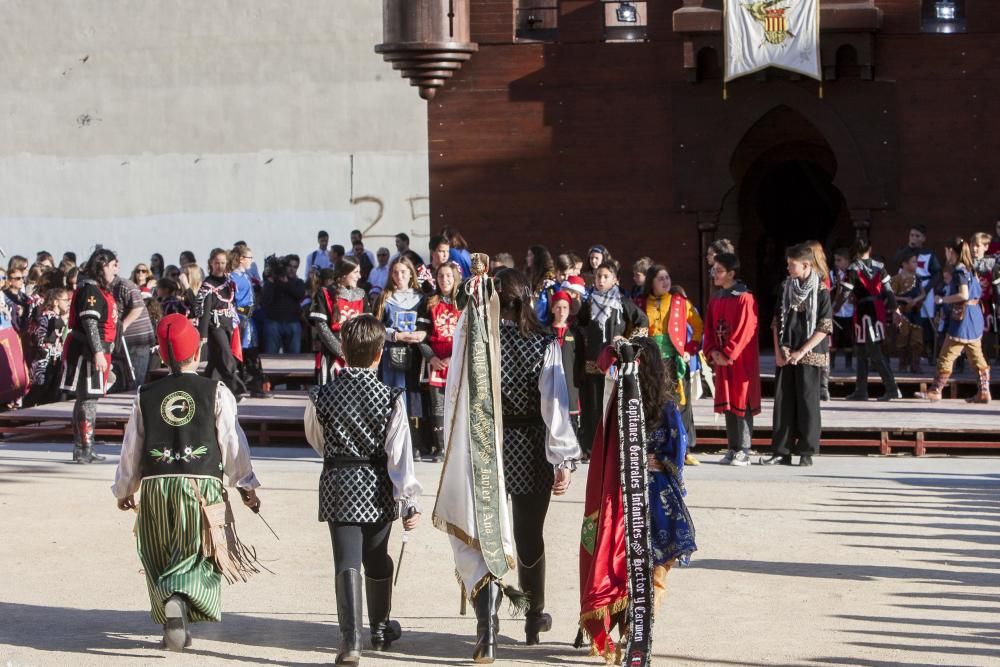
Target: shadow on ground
{"type": "Point", "coordinates": [103, 633]}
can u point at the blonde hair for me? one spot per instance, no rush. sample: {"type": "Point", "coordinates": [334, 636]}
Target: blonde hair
{"type": "Point", "coordinates": [193, 273]}
{"type": "Point", "coordinates": [979, 238]}
{"type": "Point", "coordinates": [820, 259]}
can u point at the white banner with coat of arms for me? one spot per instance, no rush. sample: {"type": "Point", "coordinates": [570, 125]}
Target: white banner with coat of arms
{"type": "Point", "coordinates": [772, 33]}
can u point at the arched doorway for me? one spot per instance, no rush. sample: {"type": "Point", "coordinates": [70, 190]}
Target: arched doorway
{"type": "Point", "coordinates": [784, 171]}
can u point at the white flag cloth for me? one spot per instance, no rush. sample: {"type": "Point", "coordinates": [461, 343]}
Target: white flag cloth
{"type": "Point", "coordinates": [772, 33]}
{"type": "Point", "coordinates": [454, 511]}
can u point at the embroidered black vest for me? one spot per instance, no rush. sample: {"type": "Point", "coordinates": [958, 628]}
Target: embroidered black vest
{"type": "Point", "coordinates": [354, 409]}
{"type": "Point", "coordinates": [178, 420]}
{"type": "Point", "coordinates": [526, 470]}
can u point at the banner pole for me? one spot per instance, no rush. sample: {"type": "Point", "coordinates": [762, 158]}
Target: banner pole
{"type": "Point", "coordinates": [725, 52]}
{"type": "Point", "coordinates": [819, 51]}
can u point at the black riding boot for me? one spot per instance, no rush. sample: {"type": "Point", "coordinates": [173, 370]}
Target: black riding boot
{"type": "Point", "coordinates": [487, 602]}
{"type": "Point", "coordinates": [860, 377]}
{"type": "Point", "coordinates": [379, 594]}
{"type": "Point", "coordinates": [90, 455]}
{"type": "Point", "coordinates": [348, 585]}
{"type": "Point", "coordinates": [532, 581]}
{"type": "Point", "coordinates": [885, 372]}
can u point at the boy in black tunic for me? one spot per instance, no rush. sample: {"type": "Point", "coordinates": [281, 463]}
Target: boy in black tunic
{"type": "Point", "coordinates": [801, 328]}
{"type": "Point", "coordinates": [360, 428]}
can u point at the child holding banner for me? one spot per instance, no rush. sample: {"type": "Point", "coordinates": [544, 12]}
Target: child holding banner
{"type": "Point", "coordinates": [640, 446]}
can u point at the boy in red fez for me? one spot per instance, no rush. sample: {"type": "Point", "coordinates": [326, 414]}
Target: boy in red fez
{"type": "Point", "coordinates": [181, 437]}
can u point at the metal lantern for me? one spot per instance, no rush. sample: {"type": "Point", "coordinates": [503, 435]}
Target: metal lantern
{"type": "Point", "coordinates": [426, 40]}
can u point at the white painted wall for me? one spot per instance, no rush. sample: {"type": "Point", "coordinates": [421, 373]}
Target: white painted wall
{"type": "Point", "coordinates": [164, 125]}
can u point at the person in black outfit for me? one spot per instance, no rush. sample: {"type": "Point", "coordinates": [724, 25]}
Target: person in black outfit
{"type": "Point", "coordinates": [540, 448]}
{"type": "Point", "coordinates": [359, 426]}
{"type": "Point", "coordinates": [282, 298]}
{"type": "Point", "coordinates": [802, 323]}
{"type": "Point", "coordinates": [217, 322]}
{"type": "Point", "coordinates": [607, 316]}
{"type": "Point", "coordinates": [874, 305]}
{"type": "Point", "coordinates": [93, 322]}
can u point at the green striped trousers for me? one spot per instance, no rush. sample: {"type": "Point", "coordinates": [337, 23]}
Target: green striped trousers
{"type": "Point", "coordinates": [168, 536]}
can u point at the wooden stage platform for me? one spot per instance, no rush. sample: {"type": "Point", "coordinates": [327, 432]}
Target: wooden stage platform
{"type": "Point", "coordinates": [907, 424]}
{"type": "Point", "coordinates": [294, 369]}
{"type": "Point", "coordinates": [911, 425]}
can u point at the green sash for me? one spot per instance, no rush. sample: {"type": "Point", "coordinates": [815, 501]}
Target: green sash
{"type": "Point", "coordinates": [482, 339]}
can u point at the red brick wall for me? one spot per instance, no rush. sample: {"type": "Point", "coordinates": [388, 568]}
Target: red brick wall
{"type": "Point", "coordinates": [573, 143]}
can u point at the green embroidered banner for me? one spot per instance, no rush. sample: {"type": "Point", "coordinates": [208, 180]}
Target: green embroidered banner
{"type": "Point", "coordinates": [482, 428]}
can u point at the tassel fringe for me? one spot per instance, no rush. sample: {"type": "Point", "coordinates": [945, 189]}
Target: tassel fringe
{"type": "Point", "coordinates": [235, 560]}
{"type": "Point", "coordinates": [238, 562]}
{"type": "Point", "coordinates": [613, 609]}
{"type": "Point", "coordinates": [518, 602]}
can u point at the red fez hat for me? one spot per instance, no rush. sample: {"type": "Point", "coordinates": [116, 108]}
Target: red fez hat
{"type": "Point", "coordinates": [561, 296]}
{"type": "Point", "coordinates": [176, 333]}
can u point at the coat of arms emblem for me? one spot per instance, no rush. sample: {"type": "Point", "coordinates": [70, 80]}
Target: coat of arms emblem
{"type": "Point", "coordinates": [772, 18]}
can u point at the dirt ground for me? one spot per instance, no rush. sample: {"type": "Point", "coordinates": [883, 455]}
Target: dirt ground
{"type": "Point", "coordinates": [861, 561]}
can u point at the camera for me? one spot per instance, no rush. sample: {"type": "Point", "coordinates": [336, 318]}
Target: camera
{"type": "Point", "coordinates": [275, 266]}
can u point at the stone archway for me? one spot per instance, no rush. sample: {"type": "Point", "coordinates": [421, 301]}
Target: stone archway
{"type": "Point", "coordinates": [785, 173]}
{"type": "Point", "coordinates": [851, 136]}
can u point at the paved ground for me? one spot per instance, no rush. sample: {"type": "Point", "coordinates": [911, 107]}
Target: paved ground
{"type": "Point", "coordinates": [857, 561]}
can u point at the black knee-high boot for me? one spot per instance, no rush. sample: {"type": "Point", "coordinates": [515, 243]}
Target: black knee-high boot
{"type": "Point", "coordinates": [84, 416]}
{"type": "Point", "coordinates": [882, 368]}
{"type": "Point", "coordinates": [860, 376]}
{"type": "Point", "coordinates": [532, 581]}
{"type": "Point", "coordinates": [379, 594]}
{"type": "Point", "coordinates": [348, 585]}
{"type": "Point", "coordinates": [487, 602]}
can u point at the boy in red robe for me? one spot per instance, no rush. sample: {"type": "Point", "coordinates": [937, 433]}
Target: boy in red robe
{"type": "Point", "coordinates": [731, 347]}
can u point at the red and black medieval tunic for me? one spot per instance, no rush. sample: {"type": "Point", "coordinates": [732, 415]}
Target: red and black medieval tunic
{"type": "Point", "coordinates": [93, 323]}
{"type": "Point", "coordinates": [868, 281]}
{"type": "Point", "coordinates": [332, 307]}
{"type": "Point", "coordinates": [444, 319]}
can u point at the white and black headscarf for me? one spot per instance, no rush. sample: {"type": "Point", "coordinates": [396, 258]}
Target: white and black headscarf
{"type": "Point", "coordinates": [603, 306]}
{"type": "Point", "coordinates": [800, 296]}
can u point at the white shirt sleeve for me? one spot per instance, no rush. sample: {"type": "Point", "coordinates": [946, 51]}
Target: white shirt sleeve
{"type": "Point", "coordinates": [561, 446]}
{"type": "Point", "coordinates": [314, 430]}
{"type": "Point", "coordinates": [399, 449]}
{"type": "Point", "coordinates": [233, 441]}
{"type": "Point", "coordinates": [128, 477]}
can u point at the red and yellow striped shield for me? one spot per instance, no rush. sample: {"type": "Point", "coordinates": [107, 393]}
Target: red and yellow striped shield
{"type": "Point", "coordinates": [775, 26]}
